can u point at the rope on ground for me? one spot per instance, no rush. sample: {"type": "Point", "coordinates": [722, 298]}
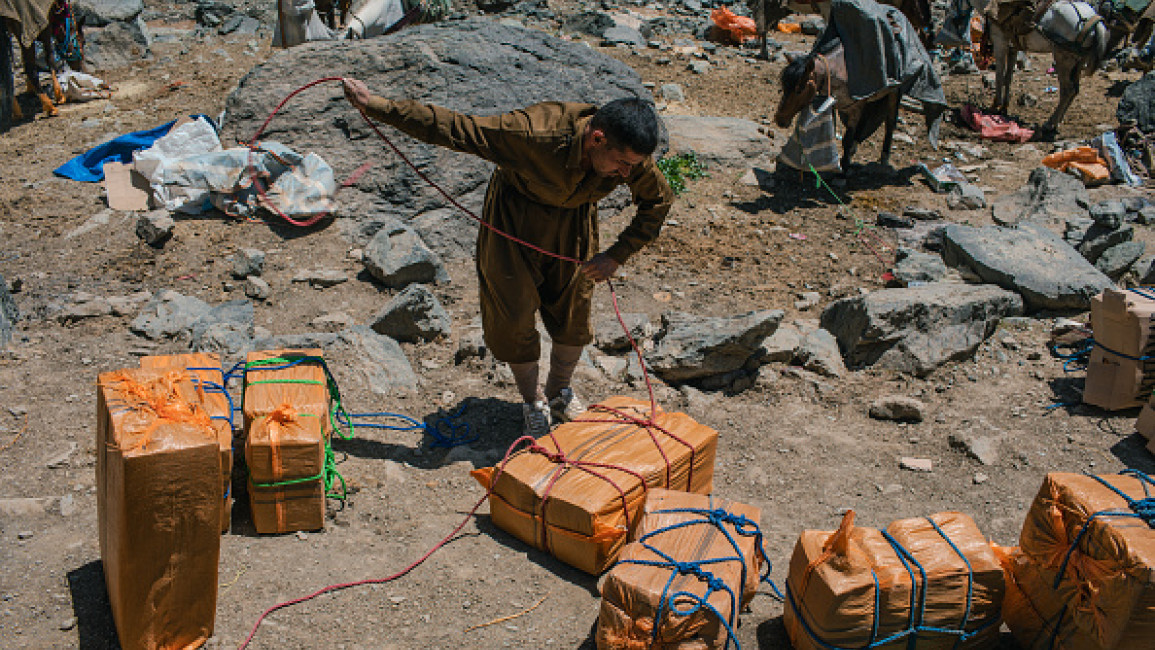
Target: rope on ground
{"type": "Point", "coordinates": [860, 226]}
{"type": "Point", "coordinates": [17, 436]}
{"type": "Point", "coordinates": [510, 617]}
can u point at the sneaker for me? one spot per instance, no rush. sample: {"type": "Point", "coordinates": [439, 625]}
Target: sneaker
{"type": "Point", "coordinates": [566, 406]}
{"type": "Point", "coordinates": [536, 418]}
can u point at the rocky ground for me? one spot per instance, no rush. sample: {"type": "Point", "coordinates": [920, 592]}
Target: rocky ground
{"type": "Point", "coordinates": [798, 444]}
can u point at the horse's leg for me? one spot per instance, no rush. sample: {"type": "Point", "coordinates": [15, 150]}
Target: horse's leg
{"type": "Point", "coordinates": [849, 138]}
{"type": "Point", "coordinates": [1067, 69]}
{"type": "Point", "coordinates": [765, 50]}
{"type": "Point", "coordinates": [892, 103]}
{"type": "Point", "coordinates": [32, 78]}
{"type": "Point", "coordinates": [1004, 68]}
{"type": "Point", "coordinates": [53, 66]}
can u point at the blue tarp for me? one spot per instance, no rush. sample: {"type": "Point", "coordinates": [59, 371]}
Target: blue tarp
{"type": "Point", "coordinates": [88, 167]}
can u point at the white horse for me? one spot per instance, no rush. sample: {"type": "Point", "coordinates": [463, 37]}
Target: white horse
{"type": "Point", "coordinates": [1069, 29]}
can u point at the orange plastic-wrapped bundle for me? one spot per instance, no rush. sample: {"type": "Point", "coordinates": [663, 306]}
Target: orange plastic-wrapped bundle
{"type": "Point", "coordinates": [1121, 371]}
{"type": "Point", "coordinates": [1083, 162]}
{"type": "Point", "coordinates": [923, 583]}
{"type": "Point", "coordinates": [287, 428]}
{"type": "Point", "coordinates": [286, 454]}
{"type": "Point", "coordinates": [695, 561]}
{"type": "Point", "coordinates": [1083, 578]}
{"type": "Point", "coordinates": [739, 28]}
{"type": "Point", "coordinates": [158, 493]}
{"type": "Point", "coordinates": [578, 490]}
{"type": "Point", "coordinates": [209, 378]}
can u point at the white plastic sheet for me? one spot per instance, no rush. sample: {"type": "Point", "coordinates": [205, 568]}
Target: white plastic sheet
{"type": "Point", "coordinates": [79, 87]}
{"type": "Point", "coordinates": [183, 141]}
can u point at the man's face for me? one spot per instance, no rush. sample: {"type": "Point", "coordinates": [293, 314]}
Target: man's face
{"type": "Point", "coordinates": [611, 162]}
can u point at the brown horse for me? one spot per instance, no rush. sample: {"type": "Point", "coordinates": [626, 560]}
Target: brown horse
{"type": "Point", "coordinates": [767, 13]}
{"type": "Point", "coordinates": [61, 28]}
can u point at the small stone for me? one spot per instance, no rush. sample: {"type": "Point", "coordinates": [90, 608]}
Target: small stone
{"type": "Point", "coordinates": [302, 535]}
{"type": "Point", "coordinates": [897, 407]}
{"type": "Point", "coordinates": [916, 464]}
{"type": "Point", "coordinates": [68, 623]}
{"type": "Point", "coordinates": [155, 227]}
{"type": "Point", "coordinates": [24, 534]}
{"type": "Point", "coordinates": [321, 278]}
{"type": "Point", "coordinates": [980, 478]}
{"type": "Point", "coordinates": [248, 261]}
{"type": "Point", "coordinates": [397, 600]}
{"type": "Point", "coordinates": [67, 506]}
{"type": "Point", "coordinates": [256, 288]}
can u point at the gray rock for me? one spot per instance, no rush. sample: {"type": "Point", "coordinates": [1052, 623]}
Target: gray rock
{"type": "Point", "coordinates": [226, 330]}
{"type": "Point", "coordinates": [397, 257]}
{"type": "Point", "coordinates": [8, 313]}
{"type": "Point", "coordinates": [590, 23]}
{"type": "Point", "coordinates": [413, 315]}
{"type": "Point", "coordinates": [813, 26]}
{"type": "Point", "coordinates": [1117, 260]}
{"type": "Point", "coordinates": [256, 288]}
{"type": "Point", "coordinates": [333, 322]}
{"type": "Point", "coordinates": [248, 261]}
{"type": "Point", "coordinates": [1030, 260]}
{"type": "Point", "coordinates": [118, 44]}
{"type": "Point", "coordinates": [921, 214]}
{"type": "Point", "coordinates": [613, 367]}
{"type": "Point", "coordinates": [818, 352]}
{"type": "Point", "coordinates": [780, 346]}
{"type": "Point", "coordinates": [912, 266]}
{"type": "Point", "coordinates": [1049, 195]}
{"type": "Point", "coordinates": [1075, 230]}
{"type": "Point", "coordinates": [966, 197]}
{"type": "Point", "coordinates": [1137, 105]}
{"type": "Point", "coordinates": [125, 305]}
{"type": "Point", "coordinates": [491, 68]}
{"type": "Point", "coordinates": [898, 407]}
{"type": "Point", "coordinates": [623, 35]}
{"type": "Point", "coordinates": [472, 344]}
{"type": "Point", "coordinates": [323, 340]}
{"type": "Point", "coordinates": [1146, 215]}
{"type": "Point", "coordinates": [888, 220]}
{"type": "Point", "coordinates": [610, 337]}
{"type": "Point", "coordinates": [168, 314]}
{"type": "Point", "coordinates": [383, 363]}
{"type": "Point", "coordinates": [321, 278]}
{"type": "Point", "coordinates": [98, 13]}
{"type": "Point", "coordinates": [693, 347]}
{"type": "Point", "coordinates": [155, 227]}
{"type": "Point", "coordinates": [983, 448]}
{"type": "Point", "coordinates": [699, 67]}
{"type": "Point", "coordinates": [807, 299]}
{"type": "Point", "coordinates": [15, 508]}
{"type": "Point", "coordinates": [1109, 214]}
{"type": "Point", "coordinates": [239, 24]}
{"type": "Point", "coordinates": [1145, 270]}
{"type": "Point", "coordinates": [916, 464]}
{"type": "Point", "coordinates": [719, 141]}
{"type": "Point", "coordinates": [1098, 239]}
{"type": "Point", "coordinates": [83, 306]}
{"type": "Point", "coordinates": [917, 329]}
{"type": "Point", "coordinates": [672, 92]}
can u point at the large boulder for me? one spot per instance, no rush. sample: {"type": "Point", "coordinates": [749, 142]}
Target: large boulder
{"type": "Point", "coordinates": [397, 257]}
{"type": "Point", "coordinates": [916, 330]}
{"type": "Point", "coordinates": [1049, 196]}
{"type": "Point", "coordinates": [474, 66]}
{"type": "Point", "coordinates": [413, 315]}
{"type": "Point", "coordinates": [720, 141]}
{"type": "Point", "coordinates": [1029, 260]}
{"type": "Point", "coordinates": [1137, 105]}
{"type": "Point", "coordinates": [694, 347]}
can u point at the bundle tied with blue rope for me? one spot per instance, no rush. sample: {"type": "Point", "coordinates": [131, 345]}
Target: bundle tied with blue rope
{"type": "Point", "coordinates": [927, 582]}
{"type": "Point", "coordinates": [693, 563]}
{"type": "Point", "coordinates": [1121, 369]}
{"type": "Point", "coordinates": [1084, 575]}
{"type": "Point", "coordinates": [208, 377]}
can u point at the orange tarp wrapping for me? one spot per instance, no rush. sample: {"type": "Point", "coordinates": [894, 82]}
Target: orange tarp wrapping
{"type": "Point", "coordinates": [585, 523]}
{"type": "Point", "coordinates": [1123, 323]}
{"type": "Point", "coordinates": [1084, 161]}
{"type": "Point", "coordinates": [302, 386]}
{"type": "Point", "coordinates": [832, 590]}
{"type": "Point", "coordinates": [632, 593]}
{"type": "Point", "coordinates": [287, 448]}
{"type": "Point", "coordinates": [1105, 599]}
{"type": "Point", "coordinates": [739, 28]}
{"type": "Point", "coordinates": [206, 370]}
{"type": "Point", "coordinates": [158, 492]}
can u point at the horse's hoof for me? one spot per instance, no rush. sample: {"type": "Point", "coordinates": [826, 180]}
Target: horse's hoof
{"type": "Point", "coordinates": [49, 109]}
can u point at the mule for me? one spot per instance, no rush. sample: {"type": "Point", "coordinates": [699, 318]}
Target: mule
{"type": "Point", "coordinates": [1069, 29]}
{"type": "Point", "coordinates": [767, 13]}
{"type": "Point", "coordinates": [806, 76]}
{"type": "Point", "coordinates": [61, 30]}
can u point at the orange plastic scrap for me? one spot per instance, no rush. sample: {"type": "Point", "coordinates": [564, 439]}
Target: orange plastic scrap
{"type": "Point", "coordinates": [159, 499]}
{"type": "Point", "coordinates": [740, 28]}
{"type": "Point", "coordinates": [1086, 581]}
{"type": "Point", "coordinates": [579, 491]}
{"type": "Point", "coordinates": [633, 593]}
{"type": "Point", "coordinates": [852, 587]}
{"type": "Point", "coordinates": [1083, 162]}
{"type": "Point", "coordinates": [285, 453]}
{"type": "Point", "coordinates": [789, 27]}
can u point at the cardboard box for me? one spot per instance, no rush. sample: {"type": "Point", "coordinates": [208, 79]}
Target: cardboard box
{"type": "Point", "coordinates": [158, 507]}
{"type": "Point", "coordinates": [675, 525]}
{"type": "Point", "coordinates": [581, 513]}
{"type": "Point", "coordinates": [851, 588]}
{"type": "Point", "coordinates": [207, 374]}
{"type": "Point", "coordinates": [1117, 375]}
{"type": "Point", "coordinates": [1105, 593]}
{"type": "Point", "coordinates": [285, 454]}
{"type": "Point", "coordinates": [302, 385]}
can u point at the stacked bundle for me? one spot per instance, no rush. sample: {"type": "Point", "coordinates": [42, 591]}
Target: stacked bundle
{"type": "Point", "coordinates": [922, 583]}
{"type": "Point", "coordinates": [1084, 576]}
{"type": "Point", "coordinates": [158, 469]}
{"type": "Point", "coordinates": [206, 372]}
{"type": "Point", "coordinates": [693, 565]}
{"type": "Point", "coordinates": [578, 490]}
{"type": "Point", "coordinates": [1121, 372]}
{"type": "Point", "coordinates": [287, 427]}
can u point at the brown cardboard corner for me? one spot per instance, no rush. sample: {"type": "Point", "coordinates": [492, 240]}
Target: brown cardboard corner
{"type": "Point", "coordinates": [126, 188]}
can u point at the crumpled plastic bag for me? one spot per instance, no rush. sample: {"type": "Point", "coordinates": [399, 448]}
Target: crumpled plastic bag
{"type": "Point", "coordinates": [740, 28]}
{"type": "Point", "coordinates": [182, 141]}
{"type": "Point", "coordinates": [994, 127]}
{"type": "Point", "coordinates": [79, 87]}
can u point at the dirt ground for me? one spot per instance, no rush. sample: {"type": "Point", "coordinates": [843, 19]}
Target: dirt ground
{"type": "Point", "coordinates": [799, 446]}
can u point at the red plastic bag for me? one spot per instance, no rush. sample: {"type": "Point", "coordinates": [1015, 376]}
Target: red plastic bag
{"type": "Point", "coordinates": [740, 28]}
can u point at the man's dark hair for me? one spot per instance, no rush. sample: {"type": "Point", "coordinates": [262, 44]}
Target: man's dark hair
{"type": "Point", "coordinates": [629, 123]}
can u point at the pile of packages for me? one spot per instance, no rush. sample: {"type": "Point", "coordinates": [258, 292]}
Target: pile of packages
{"type": "Point", "coordinates": [165, 475]}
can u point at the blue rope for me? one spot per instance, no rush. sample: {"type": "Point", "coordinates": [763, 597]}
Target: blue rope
{"type": "Point", "coordinates": [1140, 509]}
{"type": "Point", "coordinates": [915, 625]}
{"type": "Point", "coordinates": [447, 431]}
{"type": "Point", "coordinates": [213, 387]}
{"type": "Point", "coordinates": [718, 518]}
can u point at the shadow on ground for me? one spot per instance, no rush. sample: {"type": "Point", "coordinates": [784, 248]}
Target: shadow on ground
{"type": "Point", "coordinates": [90, 605]}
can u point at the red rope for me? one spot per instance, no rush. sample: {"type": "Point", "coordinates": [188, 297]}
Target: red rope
{"type": "Point", "coordinates": [646, 423]}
